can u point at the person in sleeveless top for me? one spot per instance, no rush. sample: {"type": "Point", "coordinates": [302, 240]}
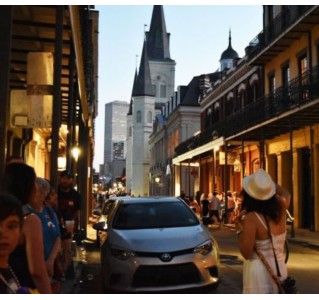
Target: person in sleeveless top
{"type": "Point", "coordinates": [50, 226]}
{"type": "Point", "coordinates": [263, 201]}
{"type": "Point", "coordinates": [27, 260]}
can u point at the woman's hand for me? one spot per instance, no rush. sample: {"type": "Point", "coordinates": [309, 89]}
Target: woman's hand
{"type": "Point", "coordinates": [49, 266]}
{"type": "Point", "coordinates": [238, 221]}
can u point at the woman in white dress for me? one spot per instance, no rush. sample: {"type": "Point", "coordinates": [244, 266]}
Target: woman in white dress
{"type": "Point", "coordinates": [263, 201]}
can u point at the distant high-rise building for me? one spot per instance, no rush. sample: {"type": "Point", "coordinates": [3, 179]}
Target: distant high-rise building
{"type": "Point", "coordinates": [115, 138]}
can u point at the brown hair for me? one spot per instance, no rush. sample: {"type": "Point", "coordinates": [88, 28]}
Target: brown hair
{"type": "Point", "coordinates": [19, 180]}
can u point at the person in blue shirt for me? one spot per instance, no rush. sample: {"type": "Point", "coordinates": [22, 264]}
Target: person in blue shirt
{"type": "Point", "coordinates": [50, 224]}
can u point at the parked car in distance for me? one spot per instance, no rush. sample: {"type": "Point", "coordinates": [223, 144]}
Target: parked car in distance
{"type": "Point", "coordinates": [105, 211]}
{"type": "Point", "coordinates": [156, 244]}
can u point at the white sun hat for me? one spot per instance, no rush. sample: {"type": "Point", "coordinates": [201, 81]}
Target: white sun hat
{"type": "Point", "coordinates": [259, 185]}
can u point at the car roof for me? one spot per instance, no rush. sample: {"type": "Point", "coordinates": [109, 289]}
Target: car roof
{"type": "Point", "coordinates": [119, 197]}
{"type": "Point", "coordinates": [150, 199]}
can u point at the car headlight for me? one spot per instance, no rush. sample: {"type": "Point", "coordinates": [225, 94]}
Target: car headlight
{"type": "Point", "coordinates": [204, 248]}
{"type": "Point", "coordinates": [121, 253]}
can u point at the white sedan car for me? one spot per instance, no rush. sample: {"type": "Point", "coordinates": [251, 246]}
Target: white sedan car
{"type": "Point", "coordinates": [156, 244]}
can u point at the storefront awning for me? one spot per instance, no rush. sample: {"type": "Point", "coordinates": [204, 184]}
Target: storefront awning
{"type": "Point", "coordinates": [199, 150]}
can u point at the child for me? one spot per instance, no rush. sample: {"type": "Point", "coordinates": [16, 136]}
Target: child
{"type": "Point", "coordinates": [11, 218]}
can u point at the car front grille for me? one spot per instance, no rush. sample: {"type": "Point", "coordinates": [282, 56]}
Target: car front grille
{"type": "Point", "coordinates": [156, 254]}
{"type": "Point", "coordinates": [171, 275]}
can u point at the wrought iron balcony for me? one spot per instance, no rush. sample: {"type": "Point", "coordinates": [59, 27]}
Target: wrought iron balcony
{"type": "Point", "coordinates": [279, 27]}
{"type": "Point", "coordinates": [293, 106]}
{"type": "Point", "coordinates": [297, 93]}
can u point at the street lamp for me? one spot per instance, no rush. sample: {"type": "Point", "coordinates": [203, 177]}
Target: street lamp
{"type": "Point", "coordinates": [75, 152]}
{"type": "Point", "coordinates": [49, 144]}
{"type": "Point", "coordinates": [157, 185]}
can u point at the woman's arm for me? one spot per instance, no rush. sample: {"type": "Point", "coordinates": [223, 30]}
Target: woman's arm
{"type": "Point", "coordinates": [248, 235]}
{"type": "Point", "coordinates": [35, 254]}
{"type": "Point", "coordinates": [54, 252]}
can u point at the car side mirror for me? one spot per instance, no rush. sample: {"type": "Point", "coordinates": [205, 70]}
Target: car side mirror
{"type": "Point", "coordinates": [102, 226]}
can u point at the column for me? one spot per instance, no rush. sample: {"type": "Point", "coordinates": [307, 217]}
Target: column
{"type": "Point", "coordinates": [296, 169]}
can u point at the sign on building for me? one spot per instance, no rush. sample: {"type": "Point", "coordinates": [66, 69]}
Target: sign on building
{"type": "Point", "coordinates": [118, 150]}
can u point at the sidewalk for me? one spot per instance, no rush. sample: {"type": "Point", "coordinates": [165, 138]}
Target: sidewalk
{"type": "Point", "coordinates": [304, 236]}
{"type": "Point", "coordinates": [72, 283]}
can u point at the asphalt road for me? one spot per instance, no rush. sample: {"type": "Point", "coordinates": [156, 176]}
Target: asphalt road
{"type": "Point", "coordinates": [303, 265]}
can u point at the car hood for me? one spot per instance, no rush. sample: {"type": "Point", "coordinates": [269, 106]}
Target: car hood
{"type": "Point", "coordinates": [159, 240]}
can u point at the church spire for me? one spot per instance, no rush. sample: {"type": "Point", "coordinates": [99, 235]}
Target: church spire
{"type": "Point", "coordinates": [130, 111]}
{"type": "Point", "coordinates": [157, 37]}
{"type": "Point", "coordinates": [143, 84]}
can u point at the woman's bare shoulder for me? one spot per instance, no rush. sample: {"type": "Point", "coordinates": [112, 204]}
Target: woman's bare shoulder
{"type": "Point", "coordinates": [31, 220]}
{"type": "Point", "coordinates": [250, 215]}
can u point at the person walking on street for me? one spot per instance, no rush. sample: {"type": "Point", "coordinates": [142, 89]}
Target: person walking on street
{"type": "Point", "coordinates": [194, 205]}
{"type": "Point", "coordinates": [214, 208]}
{"type": "Point", "coordinates": [261, 226]}
{"type": "Point", "coordinates": [204, 206]}
{"type": "Point", "coordinates": [230, 207]}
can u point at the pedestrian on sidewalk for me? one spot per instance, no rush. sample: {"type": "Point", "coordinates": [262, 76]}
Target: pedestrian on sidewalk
{"type": "Point", "coordinates": [261, 226]}
{"type": "Point", "coordinates": [50, 227]}
{"type": "Point", "coordinates": [214, 208]}
{"type": "Point", "coordinates": [11, 219]}
{"type": "Point", "coordinates": [28, 258]}
{"type": "Point", "coordinates": [69, 205]}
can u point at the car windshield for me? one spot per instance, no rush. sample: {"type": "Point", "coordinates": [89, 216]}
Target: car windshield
{"type": "Point", "coordinates": [108, 206]}
{"type": "Point", "coordinates": [153, 215]}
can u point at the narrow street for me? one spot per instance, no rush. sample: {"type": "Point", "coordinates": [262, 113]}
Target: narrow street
{"type": "Point", "coordinates": [302, 265]}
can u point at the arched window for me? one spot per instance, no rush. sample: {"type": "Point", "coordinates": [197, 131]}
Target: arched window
{"type": "Point", "coordinates": [208, 119]}
{"type": "Point", "coordinates": [253, 88]}
{"type": "Point", "coordinates": [255, 165]}
{"type": "Point", "coordinates": [253, 92]}
{"type": "Point", "coordinates": [229, 104]}
{"type": "Point", "coordinates": [241, 96]}
{"type": "Point", "coordinates": [149, 117]}
{"type": "Point", "coordinates": [215, 117]}
{"type": "Point", "coordinates": [138, 116]}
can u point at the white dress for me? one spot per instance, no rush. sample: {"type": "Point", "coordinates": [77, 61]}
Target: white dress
{"type": "Point", "coordinates": [256, 278]}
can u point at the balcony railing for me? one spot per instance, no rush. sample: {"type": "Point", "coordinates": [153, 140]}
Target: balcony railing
{"type": "Point", "coordinates": [299, 91]}
{"type": "Point", "coordinates": [279, 24]}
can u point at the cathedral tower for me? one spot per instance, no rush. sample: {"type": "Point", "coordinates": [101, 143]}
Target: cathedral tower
{"type": "Point", "coordinates": [153, 87]}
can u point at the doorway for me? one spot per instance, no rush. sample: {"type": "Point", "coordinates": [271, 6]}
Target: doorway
{"type": "Point", "coordinates": [306, 194]}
